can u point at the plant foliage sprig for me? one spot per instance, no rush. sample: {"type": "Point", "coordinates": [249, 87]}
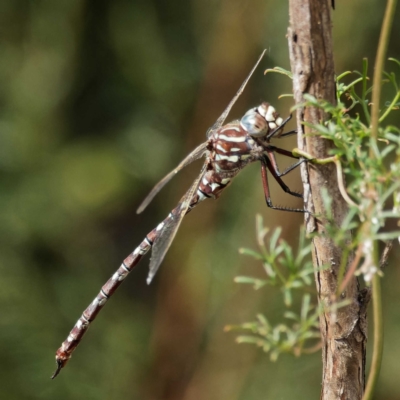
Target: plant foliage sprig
{"type": "Point", "coordinates": [287, 271]}
{"type": "Point", "coordinates": [372, 182]}
{"type": "Point", "coordinates": [282, 267]}
{"type": "Point", "coordinates": [370, 185]}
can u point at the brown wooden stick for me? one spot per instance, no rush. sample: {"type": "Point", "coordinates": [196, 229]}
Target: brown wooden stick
{"type": "Point", "coordinates": [343, 331]}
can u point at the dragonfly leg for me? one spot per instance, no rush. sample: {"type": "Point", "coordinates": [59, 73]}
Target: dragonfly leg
{"type": "Point", "coordinates": [266, 163]}
{"type": "Point", "coordinates": [272, 158]}
{"type": "Point", "coordinates": [289, 133]}
{"type": "Point", "coordinates": [284, 152]}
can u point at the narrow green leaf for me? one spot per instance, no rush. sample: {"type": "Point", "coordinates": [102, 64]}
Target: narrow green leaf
{"type": "Point", "coordinates": [279, 70]}
{"type": "Point", "coordinates": [252, 253]}
{"type": "Point", "coordinates": [305, 306]}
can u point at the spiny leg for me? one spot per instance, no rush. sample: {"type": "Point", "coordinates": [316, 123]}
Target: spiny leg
{"type": "Point", "coordinates": [286, 153]}
{"type": "Point", "coordinates": [289, 133]}
{"type": "Point", "coordinates": [282, 184]}
{"type": "Point", "coordinates": [265, 163]}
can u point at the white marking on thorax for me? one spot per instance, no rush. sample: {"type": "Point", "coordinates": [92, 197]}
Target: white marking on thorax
{"type": "Point", "coordinates": [235, 128]}
{"type": "Point", "coordinates": [229, 158]}
{"type": "Point", "coordinates": [235, 149]}
{"type": "Point", "coordinates": [232, 138]}
{"type": "Point", "coordinates": [233, 159]}
{"type": "Point", "coordinates": [225, 181]}
{"type": "Point", "coordinates": [205, 181]}
{"type": "Point", "coordinates": [279, 121]}
{"type": "Point", "coordinates": [160, 226]}
{"type": "Point", "coordinates": [217, 167]}
{"type": "Point", "coordinates": [220, 148]}
{"type": "Point", "coordinates": [214, 186]}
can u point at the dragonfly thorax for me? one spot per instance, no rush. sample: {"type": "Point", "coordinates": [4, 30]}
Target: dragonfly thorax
{"type": "Point", "coordinates": [259, 121]}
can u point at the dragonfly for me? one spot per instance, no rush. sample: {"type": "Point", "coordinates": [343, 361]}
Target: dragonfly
{"type": "Point", "coordinates": [228, 149]}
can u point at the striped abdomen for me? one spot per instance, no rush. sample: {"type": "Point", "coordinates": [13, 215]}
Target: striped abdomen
{"type": "Point", "coordinates": [64, 353]}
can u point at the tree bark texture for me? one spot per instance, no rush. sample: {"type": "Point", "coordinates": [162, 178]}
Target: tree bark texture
{"type": "Point", "coordinates": [343, 331]}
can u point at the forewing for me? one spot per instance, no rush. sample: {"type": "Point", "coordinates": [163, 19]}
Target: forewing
{"type": "Point", "coordinates": [168, 232]}
{"type": "Point", "coordinates": [219, 122]}
{"type": "Point", "coordinates": [197, 153]}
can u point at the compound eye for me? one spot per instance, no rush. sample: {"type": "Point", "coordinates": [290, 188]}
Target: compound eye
{"type": "Point", "coordinates": [254, 124]}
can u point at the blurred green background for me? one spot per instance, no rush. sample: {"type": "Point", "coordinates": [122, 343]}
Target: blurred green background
{"type": "Point", "coordinates": [99, 99]}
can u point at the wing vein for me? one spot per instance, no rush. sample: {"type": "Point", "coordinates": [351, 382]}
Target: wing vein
{"type": "Point", "coordinates": [170, 228]}
{"type": "Point", "coordinates": [197, 153]}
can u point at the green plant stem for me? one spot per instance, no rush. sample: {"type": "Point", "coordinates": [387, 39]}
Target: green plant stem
{"type": "Point", "coordinates": [392, 104]}
{"type": "Point", "coordinates": [363, 99]}
{"type": "Point", "coordinates": [378, 338]}
{"type": "Point", "coordinates": [379, 63]}
{"type": "Point", "coordinates": [376, 288]}
{"type": "Point", "coordinates": [278, 272]}
{"type": "Point", "coordinates": [322, 161]}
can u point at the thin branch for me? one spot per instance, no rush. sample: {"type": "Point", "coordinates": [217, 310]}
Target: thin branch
{"type": "Point", "coordinates": [378, 338]}
{"type": "Point", "coordinates": [379, 64]}
{"type": "Point", "coordinates": [376, 288]}
{"type": "Point", "coordinates": [311, 56]}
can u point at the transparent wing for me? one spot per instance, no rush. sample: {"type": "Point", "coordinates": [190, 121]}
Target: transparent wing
{"type": "Point", "coordinates": [200, 150]}
{"type": "Point", "coordinates": [168, 232]}
{"type": "Point", "coordinates": [197, 153]}
{"type": "Point", "coordinates": [219, 122]}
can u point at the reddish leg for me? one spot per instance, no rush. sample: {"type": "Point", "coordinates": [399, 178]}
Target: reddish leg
{"type": "Point", "coordinates": [266, 163]}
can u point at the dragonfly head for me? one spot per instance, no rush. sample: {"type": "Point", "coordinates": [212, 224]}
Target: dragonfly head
{"type": "Point", "coordinates": [260, 120]}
